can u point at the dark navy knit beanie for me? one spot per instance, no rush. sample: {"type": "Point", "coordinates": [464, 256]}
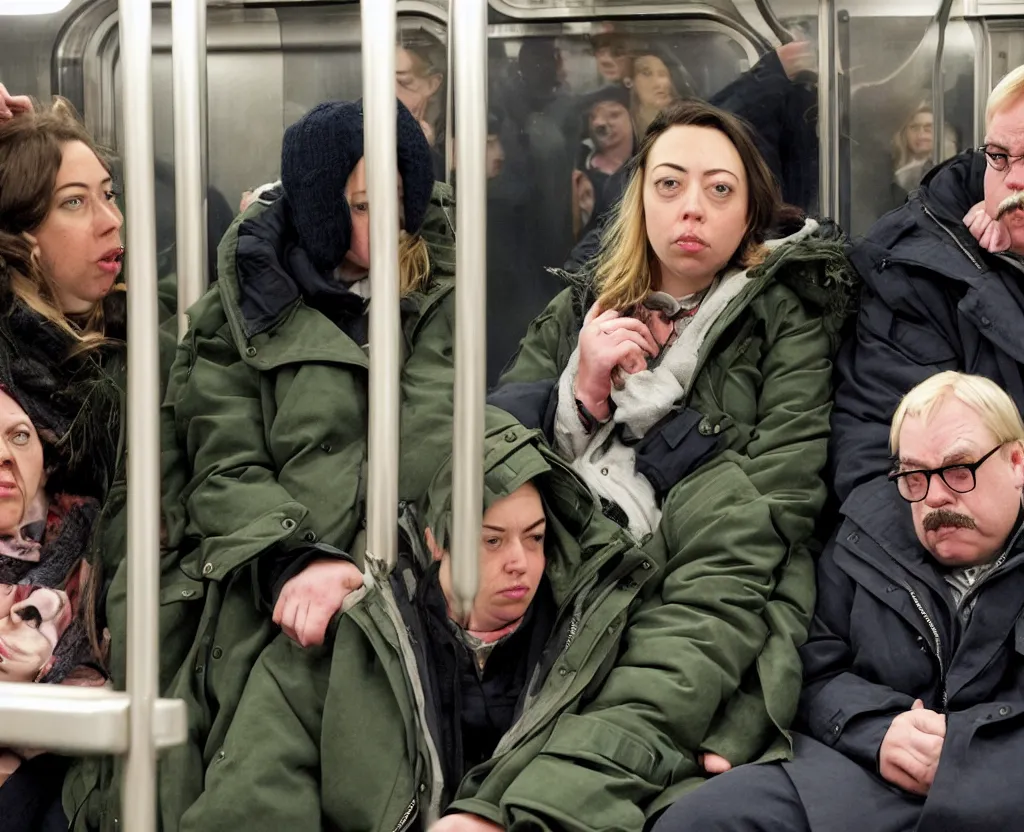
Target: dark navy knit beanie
{"type": "Point", "coordinates": [319, 153]}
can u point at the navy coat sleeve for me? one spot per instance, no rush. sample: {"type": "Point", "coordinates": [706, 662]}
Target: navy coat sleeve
{"type": "Point", "coordinates": [759, 98]}
{"type": "Point", "coordinates": [837, 707]}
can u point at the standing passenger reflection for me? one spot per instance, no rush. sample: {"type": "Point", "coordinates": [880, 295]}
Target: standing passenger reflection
{"type": "Point", "coordinates": [657, 81]}
{"type": "Point", "coordinates": [912, 148]}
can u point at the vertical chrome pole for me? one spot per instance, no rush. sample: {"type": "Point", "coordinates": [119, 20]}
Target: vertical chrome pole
{"type": "Point", "coordinates": [380, 123]}
{"type": "Point", "coordinates": [468, 25]}
{"type": "Point", "coordinates": [188, 54]}
{"type": "Point", "coordinates": [136, 37]}
{"type": "Point", "coordinates": [828, 112]}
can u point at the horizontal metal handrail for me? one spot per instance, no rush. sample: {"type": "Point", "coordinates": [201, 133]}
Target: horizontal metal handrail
{"type": "Point", "coordinates": [80, 720]}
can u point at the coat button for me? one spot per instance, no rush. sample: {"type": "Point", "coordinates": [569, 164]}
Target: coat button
{"type": "Point", "coordinates": [985, 321]}
{"type": "Point", "coordinates": [250, 351]}
{"type": "Point", "coordinates": [310, 537]}
{"type": "Point", "coordinates": [646, 564]}
{"type": "Point", "coordinates": [704, 428]}
{"type": "Point", "coordinates": [325, 447]}
{"type": "Point", "coordinates": [1004, 711]}
{"type": "Point", "coordinates": [217, 652]}
{"type": "Point", "coordinates": [604, 472]}
{"type": "Point", "coordinates": [188, 593]}
{"type": "Point", "coordinates": [288, 524]}
{"type": "Point", "coordinates": [835, 729]}
{"type": "Point", "coordinates": [562, 671]}
{"type": "Point", "coordinates": [208, 569]}
{"type": "Point", "coordinates": [718, 429]}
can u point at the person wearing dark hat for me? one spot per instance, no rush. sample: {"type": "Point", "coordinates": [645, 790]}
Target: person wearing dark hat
{"type": "Point", "coordinates": [608, 144]}
{"type": "Point", "coordinates": [266, 416]}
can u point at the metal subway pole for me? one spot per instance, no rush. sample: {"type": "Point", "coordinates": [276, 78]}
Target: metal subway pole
{"type": "Point", "coordinates": [188, 56]}
{"type": "Point", "coordinates": [828, 112]}
{"type": "Point", "coordinates": [468, 25]}
{"type": "Point", "coordinates": [136, 38]}
{"type": "Point", "coordinates": [380, 125]}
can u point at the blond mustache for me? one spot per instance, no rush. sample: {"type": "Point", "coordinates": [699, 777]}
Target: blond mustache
{"type": "Point", "coordinates": [1011, 203]}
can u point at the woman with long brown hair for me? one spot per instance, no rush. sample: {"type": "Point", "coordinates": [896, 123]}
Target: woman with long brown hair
{"type": "Point", "coordinates": [691, 364]}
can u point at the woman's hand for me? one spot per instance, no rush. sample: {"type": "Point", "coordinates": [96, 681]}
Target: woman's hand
{"type": "Point", "coordinates": [13, 105]}
{"type": "Point", "coordinates": [991, 234]}
{"type": "Point", "coordinates": [609, 340]}
{"type": "Point", "coordinates": [310, 599]}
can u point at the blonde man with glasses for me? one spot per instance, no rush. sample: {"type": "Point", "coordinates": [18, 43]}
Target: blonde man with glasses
{"type": "Point", "coordinates": [944, 290]}
{"type": "Point", "coordinates": [911, 714]}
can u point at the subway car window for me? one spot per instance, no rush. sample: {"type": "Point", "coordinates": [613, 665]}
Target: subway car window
{"type": "Point", "coordinates": [569, 104]}
{"type": "Point", "coordinates": [891, 121]}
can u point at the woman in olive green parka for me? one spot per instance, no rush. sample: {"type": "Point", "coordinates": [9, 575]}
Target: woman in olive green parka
{"type": "Point", "coordinates": [265, 423]}
{"type": "Point", "coordinates": [692, 370]}
{"type": "Point", "coordinates": [336, 738]}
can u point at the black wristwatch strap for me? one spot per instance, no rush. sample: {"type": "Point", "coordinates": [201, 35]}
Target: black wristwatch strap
{"type": "Point", "coordinates": [590, 422]}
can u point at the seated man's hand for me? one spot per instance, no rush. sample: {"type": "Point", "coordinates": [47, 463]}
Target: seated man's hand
{"type": "Point", "coordinates": [991, 234]}
{"type": "Point", "coordinates": [463, 822]}
{"type": "Point", "coordinates": [714, 763]}
{"type": "Point", "coordinates": [909, 755]}
{"type": "Point", "coordinates": [310, 599]}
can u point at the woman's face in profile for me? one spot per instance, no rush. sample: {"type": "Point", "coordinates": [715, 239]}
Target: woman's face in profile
{"type": "Point", "coordinates": [695, 204]}
{"type": "Point", "coordinates": [413, 86]}
{"type": "Point", "coordinates": [653, 82]}
{"type": "Point", "coordinates": [30, 631]}
{"type": "Point", "coordinates": [919, 133]}
{"type": "Point", "coordinates": [21, 464]}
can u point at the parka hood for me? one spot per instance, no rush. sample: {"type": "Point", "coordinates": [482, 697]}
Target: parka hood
{"type": "Point", "coordinates": [260, 251]}
{"type": "Point", "coordinates": [808, 256]}
{"type": "Point", "coordinates": [514, 456]}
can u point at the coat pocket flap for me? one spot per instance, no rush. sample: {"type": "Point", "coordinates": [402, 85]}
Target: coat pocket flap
{"type": "Point", "coordinates": [592, 739]}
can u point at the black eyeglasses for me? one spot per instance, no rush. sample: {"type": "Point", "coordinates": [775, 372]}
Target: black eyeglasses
{"type": "Point", "coordinates": [999, 159]}
{"type": "Point", "coordinates": [961, 478]}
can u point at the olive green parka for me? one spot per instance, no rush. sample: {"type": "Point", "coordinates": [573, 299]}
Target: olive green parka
{"type": "Point", "coordinates": [335, 739]}
{"type": "Point", "coordinates": [264, 437]}
{"type": "Point", "coordinates": [736, 534]}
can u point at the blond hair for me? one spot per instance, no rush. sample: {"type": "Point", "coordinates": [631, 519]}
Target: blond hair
{"type": "Point", "coordinates": [623, 275]}
{"type": "Point", "coordinates": [1007, 91]}
{"type": "Point", "coordinates": [986, 398]}
{"type": "Point", "coordinates": [413, 263]}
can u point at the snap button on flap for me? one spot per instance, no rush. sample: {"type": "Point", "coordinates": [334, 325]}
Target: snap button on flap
{"type": "Point", "coordinates": [718, 429]}
{"type": "Point", "coordinates": [325, 447]}
{"type": "Point", "coordinates": [562, 671]}
{"type": "Point", "coordinates": [604, 472]}
{"type": "Point", "coordinates": [217, 652]}
{"type": "Point", "coordinates": [1004, 711]}
{"type": "Point", "coordinates": [510, 436]}
{"type": "Point", "coordinates": [985, 321]}
{"type": "Point", "coordinates": [835, 729]}
{"type": "Point", "coordinates": [704, 428]}
{"type": "Point", "coordinates": [288, 524]}
{"type": "Point", "coordinates": [188, 593]}
{"type": "Point", "coordinates": [208, 569]}
{"type": "Point", "coordinates": [250, 351]}
{"type": "Point", "coordinates": [310, 537]}
{"type": "Point", "coordinates": [646, 564]}
{"type": "Point", "coordinates": [854, 538]}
